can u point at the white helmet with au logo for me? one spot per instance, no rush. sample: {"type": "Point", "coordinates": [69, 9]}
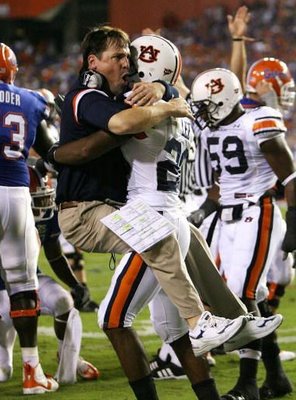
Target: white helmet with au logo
{"type": "Point", "coordinates": [156, 58]}
{"type": "Point", "coordinates": [215, 93]}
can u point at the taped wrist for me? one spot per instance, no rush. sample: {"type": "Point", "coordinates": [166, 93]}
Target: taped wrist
{"type": "Point", "coordinates": [170, 91]}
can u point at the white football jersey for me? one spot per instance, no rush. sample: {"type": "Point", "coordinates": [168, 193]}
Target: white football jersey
{"type": "Point", "coordinates": [235, 154]}
{"type": "Point", "coordinates": [155, 157]}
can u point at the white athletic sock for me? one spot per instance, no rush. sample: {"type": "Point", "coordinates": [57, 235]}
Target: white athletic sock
{"type": "Point", "coordinates": [30, 356]}
{"type": "Point", "coordinates": [250, 353]}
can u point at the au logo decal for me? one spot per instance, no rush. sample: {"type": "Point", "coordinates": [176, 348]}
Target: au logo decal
{"type": "Point", "coordinates": [215, 86]}
{"type": "Point", "coordinates": [148, 54]}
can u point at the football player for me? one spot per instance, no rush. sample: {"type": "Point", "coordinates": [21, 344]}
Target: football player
{"type": "Point", "coordinates": [54, 299]}
{"type": "Point", "coordinates": [22, 126]}
{"type": "Point", "coordinates": [248, 152]}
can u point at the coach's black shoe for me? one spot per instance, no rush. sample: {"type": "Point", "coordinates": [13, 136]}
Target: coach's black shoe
{"type": "Point", "coordinates": [246, 391]}
{"type": "Point", "coordinates": [278, 387]}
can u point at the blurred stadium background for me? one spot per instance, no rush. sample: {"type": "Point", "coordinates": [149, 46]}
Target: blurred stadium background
{"type": "Point", "coordinates": [45, 34]}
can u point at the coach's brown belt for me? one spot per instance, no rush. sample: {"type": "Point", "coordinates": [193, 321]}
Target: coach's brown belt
{"type": "Point", "coordinates": [68, 204]}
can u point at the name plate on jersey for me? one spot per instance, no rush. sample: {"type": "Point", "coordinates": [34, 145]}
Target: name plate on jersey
{"type": "Point", "coordinates": [139, 225]}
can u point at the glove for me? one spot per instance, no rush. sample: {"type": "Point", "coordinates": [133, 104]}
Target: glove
{"type": "Point", "coordinates": [41, 167]}
{"type": "Point", "coordinates": [197, 217]}
{"type": "Point", "coordinates": [50, 154]}
{"type": "Point", "coordinates": [289, 242]}
{"type": "Point", "coordinates": [80, 294]}
{"type": "Point", "coordinates": [208, 207]}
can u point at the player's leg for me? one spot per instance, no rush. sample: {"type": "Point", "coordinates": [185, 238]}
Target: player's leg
{"type": "Point", "coordinates": [245, 264]}
{"type": "Point", "coordinates": [19, 249]}
{"type": "Point", "coordinates": [132, 287]}
{"type": "Point", "coordinates": [279, 276]}
{"type": "Point", "coordinates": [58, 302]}
{"type": "Point", "coordinates": [7, 336]}
{"type": "Point", "coordinates": [174, 332]}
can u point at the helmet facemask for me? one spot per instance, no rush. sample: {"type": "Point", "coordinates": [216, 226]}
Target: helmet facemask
{"type": "Point", "coordinates": [204, 112]}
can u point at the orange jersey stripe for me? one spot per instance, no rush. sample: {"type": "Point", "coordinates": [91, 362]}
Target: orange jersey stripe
{"type": "Point", "coordinates": [257, 265]}
{"type": "Point", "coordinates": [271, 290]}
{"type": "Point", "coordinates": [124, 291]}
{"type": "Point", "coordinates": [265, 124]}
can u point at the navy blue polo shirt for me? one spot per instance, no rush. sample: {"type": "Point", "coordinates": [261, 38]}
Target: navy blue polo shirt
{"type": "Point", "coordinates": [84, 112]}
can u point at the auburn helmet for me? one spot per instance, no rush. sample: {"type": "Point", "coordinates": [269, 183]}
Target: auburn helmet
{"type": "Point", "coordinates": [214, 93]}
{"type": "Point", "coordinates": [43, 196]}
{"type": "Point", "coordinates": [156, 58]}
{"type": "Point", "coordinates": [8, 64]}
{"type": "Point", "coordinates": [277, 72]}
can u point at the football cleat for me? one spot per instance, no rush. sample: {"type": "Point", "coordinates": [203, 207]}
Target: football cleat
{"type": "Point", "coordinates": [162, 370]}
{"type": "Point", "coordinates": [287, 355]}
{"type": "Point", "coordinates": [86, 370]}
{"type": "Point", "coordinates": [243, 391]}
{"type": "Point", "coordinates": [36, 382]}
{"type": "Point", "coordinates": [278, 387]}
{"type": "Point", "coordinates": [211, 331]}
{"type": "Point", "coordinates": [166, 369]}
{"type": "Point", "coordinates": [255, 328]}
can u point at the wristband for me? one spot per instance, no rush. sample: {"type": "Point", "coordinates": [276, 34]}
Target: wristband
{"type": "Point", "coordinates": [170, 91]}
{"type": "Point", "coordinates": [289, 178]}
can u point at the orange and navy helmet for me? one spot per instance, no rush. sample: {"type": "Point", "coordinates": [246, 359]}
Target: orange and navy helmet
{"type": "Point", "coordinates": [277, 72]}
{"type": "Point", "coordinates": [8, 64]}
{"type": "Point", "coordinates": [42, 194]}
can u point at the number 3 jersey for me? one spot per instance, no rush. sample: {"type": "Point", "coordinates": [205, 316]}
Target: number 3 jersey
{"type": "Point", "coordinates": [21, 111]}
{"type": "Point", "coordinates": [235, 154]}
{"type": "Point", "coordinates": [155, 157]}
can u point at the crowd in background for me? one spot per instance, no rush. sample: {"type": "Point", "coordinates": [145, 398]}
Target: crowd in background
{"type": "Point", "coordinates": [203, 40]}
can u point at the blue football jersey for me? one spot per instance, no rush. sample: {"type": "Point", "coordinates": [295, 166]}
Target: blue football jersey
{"type": "Point", "coordinates": [21, 111]}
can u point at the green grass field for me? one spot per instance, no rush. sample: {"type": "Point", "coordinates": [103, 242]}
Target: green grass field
{"type": "Point", "coordinates": [112, 384]}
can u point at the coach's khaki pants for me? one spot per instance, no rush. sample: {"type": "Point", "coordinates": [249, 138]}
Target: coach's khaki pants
{"type": "Point", "coordinates": [83, 228]}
